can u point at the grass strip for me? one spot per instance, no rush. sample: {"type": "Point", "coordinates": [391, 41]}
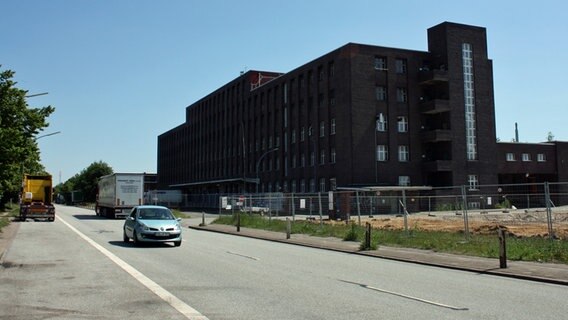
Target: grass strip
{"type": "Point", "coordinates": [534, 249]}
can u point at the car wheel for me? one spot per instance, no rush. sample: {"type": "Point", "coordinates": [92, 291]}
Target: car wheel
{"type": "Point", "coordinates": [135, 239]}
{"type": "Point", "coordinates": [125, 238]}
{"type": "Point", "coordinates": [177, 243]}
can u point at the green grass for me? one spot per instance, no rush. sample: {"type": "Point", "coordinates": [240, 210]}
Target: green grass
{"type": "Point", "coordinates": [8, 214]}
{"type": "Point", "coordinates": [522, 249]}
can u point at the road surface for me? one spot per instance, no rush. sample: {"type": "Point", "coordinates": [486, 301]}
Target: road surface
{"type": "Point", "coordinates": [78, 268]}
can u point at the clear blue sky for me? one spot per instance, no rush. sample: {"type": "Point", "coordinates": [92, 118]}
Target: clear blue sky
{"type": "Point", "coordinates": [121, 72]}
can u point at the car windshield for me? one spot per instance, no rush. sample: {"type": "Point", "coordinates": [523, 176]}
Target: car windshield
{"type": "Point", "coordinates": [154, 214]}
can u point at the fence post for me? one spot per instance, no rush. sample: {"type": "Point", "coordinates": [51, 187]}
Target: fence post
{"type": "Point", "coordinates": [502, 248]}
{"type": "Point", "coordinates": [548, 210]}
{"type": "Point", "coordinates": [269, 207]}
{"type": "Point", "coordinates": [202, 219]}
{"type": "Point", "coordinates": [239, 221]}
{"type": "Point", "coordinates": [320, 209]}
{"type": "Point", "coordinates": [293, 209]}
{"type": "Point", "coordinates": [288, 228]}
{"type": "Point", "coordinates": [465, 217]}
{"type": "Point", "coordinates": [358, 207]}
{"type": "Point", "coordinates": [367, 245]}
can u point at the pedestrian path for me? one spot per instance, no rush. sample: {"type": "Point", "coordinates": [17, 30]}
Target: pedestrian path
{"type": "Point", "coordinates": [543, 272]}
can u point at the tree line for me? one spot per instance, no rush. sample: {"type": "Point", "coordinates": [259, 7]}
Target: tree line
{"type": "Point", "coordinates": [19, 152]}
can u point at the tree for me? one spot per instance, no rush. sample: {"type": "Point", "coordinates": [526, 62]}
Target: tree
{"type": "Point", "coordinates": [86, 181]}
{"type": "Point", "coordinates": [18, 126]}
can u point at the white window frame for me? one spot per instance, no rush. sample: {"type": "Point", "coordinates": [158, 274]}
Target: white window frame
{"type": "Point", "coordinates": [402, 124]}
{"type": "Point", "coordinates": [380, 63]}
{"type": "Point", "coordinates": [333, 155]}
{"type": "Point", "coordinates": [526, 157]}
{"type": "Point", "coordinates": [381, 93]}
{"type": "Point", "coordinates": [400, 66]}
{"type": "Point", "coordinates": [401, 95]}
{"type": "Point", "coordinates": [322, 129]}
{"type": "Point", "coordinates": [382, 153]}
{"type": "Point", "coordinates": [381, 124]}
{"type": "Point", "coordinates": [332, 127]}
{"type": "Point", "coordinates": [403, 180]}
{"type": "Point", "coordinates": [473, 181]}
{"type": "Point", "coordinates": [510, 156]}
{"type": "Point", "coordinates": [403, 153]}
{"type": "Point", "coordinates": [541, 157]}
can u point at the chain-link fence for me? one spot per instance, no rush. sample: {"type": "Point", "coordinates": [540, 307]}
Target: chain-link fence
{"type": "Point", "coordinates": [534, 209]}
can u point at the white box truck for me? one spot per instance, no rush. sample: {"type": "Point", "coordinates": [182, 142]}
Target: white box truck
{"type": "Point", "coordinates": [119, 193]}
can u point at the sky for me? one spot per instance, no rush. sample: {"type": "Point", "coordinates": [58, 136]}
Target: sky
{"type": "Point", "coordinates": [121, 72]}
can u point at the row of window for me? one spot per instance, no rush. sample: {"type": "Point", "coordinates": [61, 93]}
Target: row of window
{"type": "Point", "coordinates": [309, 185]}
{"type": "Point", "coordinates": [399, 64]}
{"type": "Point", "coordinates": [541, 157]}
{"type": "Point", "coordinates": [382, 123]}
{"type": "Point", "coordinates": [382, 95]}
{"type": "Point", "coordinates": [383, 153]}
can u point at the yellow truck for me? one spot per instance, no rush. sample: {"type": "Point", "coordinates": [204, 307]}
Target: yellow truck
{"type": "Point", "coordinates": [36, 198]}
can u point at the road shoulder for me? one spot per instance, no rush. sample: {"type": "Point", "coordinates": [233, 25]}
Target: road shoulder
{"type": "Point", "coordinates": [7, 235]}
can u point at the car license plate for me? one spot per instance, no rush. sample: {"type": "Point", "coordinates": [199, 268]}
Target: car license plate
{"type": "Point", "coordinates": [161, 234]}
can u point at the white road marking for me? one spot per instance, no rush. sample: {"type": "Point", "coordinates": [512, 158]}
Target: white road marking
{"type": "Point", "coordinates": [165, 295]}
{"type": "Point", "coordinates": [406, 296]}
{"type": "Point", "coordinates": [242, 255]}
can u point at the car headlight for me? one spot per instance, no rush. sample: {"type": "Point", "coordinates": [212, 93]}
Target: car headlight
{"type": "Point", "coordinates": [144, 227]}
{"type": "Point", "coordinates": [177, 227]}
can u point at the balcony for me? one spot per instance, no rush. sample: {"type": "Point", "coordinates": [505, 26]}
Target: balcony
{"type": "Point", "coordinates": [435, 106]}
{"type": "Point", "coordinates": [431, 77]}
{"type": "Point", "coordinates": [436, 136]}
{"type": "Point", "coordinates": [437, 166]}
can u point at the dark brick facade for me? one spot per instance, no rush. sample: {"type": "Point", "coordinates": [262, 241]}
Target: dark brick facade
{"type": "Point", "coordinates": [344, 120]}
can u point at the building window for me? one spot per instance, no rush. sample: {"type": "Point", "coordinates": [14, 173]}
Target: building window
{"type": "Point", "coordinates": [403, 154]}
{"type": "Point", "coordinates": [320, 73]}
{"type": "Point", "coordinates": [302, 160]}
{"type": "Point", "coordinates": [312, 158]}
{"type": "Point", "coordinates": [277, 164]}
{"type": "Point", "coordinates": [303, 186]}
{"type": "Point", "coordinates": [473, 182]}
{"type": "Point", "coordinates": [302, 134]}
{"type": "Point", "coordinates": [510, 156]}
{"type": "Point", "coordinates": [400, 66]}
{"type": "Point", "coordinates": [332, 129]}
{"type": "Point", "coordinates": [331, 69]}
{"type": "Point", "coordinates": [322, 184]}
{"type": "Point", "coordinates": [322, 157]}
{"type": "Point", "coordinates": [285, 92]}
{"type": "Point", "coordinates": [403, 180]}
{"type": "Point", "coordinates": [294, 136]}
{"type": "Point", "coordinates": [310, 131]}
{"type": "Point", "coordinates": [469, 99]}
{"type": "Point", "coordinates": [285, 186]}
{"type": "Point", "coordinates": [401, 95]}
{"type": "Point", "coordinates": [312, 185]}
{"type": "Point", "coordinates": [402, 124]}
{"type": "Point", "coordinates": [331, 98]}
{"type": "Point", "coordinates": [526, 157]}
{"type": "Point", "coordinates": [322, 129]}
{"type": "Point", "coordinates": [381, 93]}
{"type": "Point", "coordinates": [332, 155]}
{"type": "Point", "coordinates": [270, 142]}
{"type": "Point", "coordinates": [332, 184]}
{"type": "Point", "coordinates": [382, 153]}
{"type": "Point", "coordinates": [540, 157]}
{"type": "Point", "coordinates": [294, 161]}
{"type": "Point", "coordinates": [293, 186]}
{"type": "Point", "coordinates": [380, 63]}
{"type": "Point", "coordinates": [285, 117]}
{"type": "Point", "coordinates": [381, 123]}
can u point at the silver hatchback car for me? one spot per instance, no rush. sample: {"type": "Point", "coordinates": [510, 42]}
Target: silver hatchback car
{"type": "Point", "coordinates": [152, 224]}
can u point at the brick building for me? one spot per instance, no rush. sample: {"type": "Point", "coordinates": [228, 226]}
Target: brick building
{"type": "Point", "coordinates": [360, 115]}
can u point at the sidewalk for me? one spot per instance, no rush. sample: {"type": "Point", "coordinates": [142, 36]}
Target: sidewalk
{"type": "Point", "coordinates": [543, 272]}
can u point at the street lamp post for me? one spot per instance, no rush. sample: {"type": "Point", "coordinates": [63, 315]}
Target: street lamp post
{"type": "Point", "coordinates": [258, 165]}
{"type": "Point", "coordinates": [36, 139]}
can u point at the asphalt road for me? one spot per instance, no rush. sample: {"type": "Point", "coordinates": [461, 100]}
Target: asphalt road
{"type": "Point", "coordinates": [54, 272]}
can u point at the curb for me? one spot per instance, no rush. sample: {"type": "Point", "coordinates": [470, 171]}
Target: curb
{"type": "Point", "coordinates": [492, 272]}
